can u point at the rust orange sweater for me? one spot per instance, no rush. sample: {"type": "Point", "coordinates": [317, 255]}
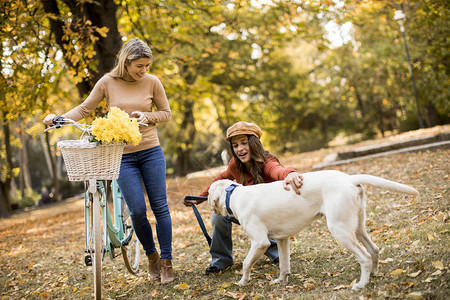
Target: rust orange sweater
{"type": "Point", "coordinates": [141, 95]}
{"type": "Point", "coordinates": [273, 171]}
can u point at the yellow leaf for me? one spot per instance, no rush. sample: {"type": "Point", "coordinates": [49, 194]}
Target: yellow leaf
{"type": "Point", "coordinates": [75, 289]}
{"type": "Point", "coordinates": [438, 265]}
{"type": "Point", "coordinates": [340, 287]}
{"type": "Point", "coordinates": [397, 272]}
{"type": "Point", "coordinates": [225, 285]}
{"type": "Point", "coordinates": [415, 274]}
{"type": "Point", "coordinates": [183, 286]}
{"type": "Point", "coordinates": [437, 273]}
{"type": "Point", "coordinates": [430, 236]}
{"type": "Point", "coordinates": [415, 295]}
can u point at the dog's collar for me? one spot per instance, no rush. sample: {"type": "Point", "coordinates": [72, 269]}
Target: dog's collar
{"type": "Point", "coordinates": [229, 191]}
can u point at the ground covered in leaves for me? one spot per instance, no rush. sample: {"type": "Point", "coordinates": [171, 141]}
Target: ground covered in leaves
{"type": "Point", "coordinates": [42, 250]}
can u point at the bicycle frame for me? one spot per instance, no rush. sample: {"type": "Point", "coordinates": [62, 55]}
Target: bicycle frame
{"type": "Point", "coordinates": [114, 236]}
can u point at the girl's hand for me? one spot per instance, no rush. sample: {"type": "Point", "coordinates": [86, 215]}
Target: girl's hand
{"type": "Point", "coordinates": [49, 119]}
{"type": "Point", "coordinates": [140, 117]}
{"type": "Point", "coordinates": [295, 180]}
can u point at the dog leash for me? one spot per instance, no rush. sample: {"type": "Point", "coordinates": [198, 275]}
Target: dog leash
{"type": "Point", "coordinates": [229, 191]}
{"type": "Point", "coordinates": [198, 216]}
{"type": "Point", "coordinates": [202, 225]}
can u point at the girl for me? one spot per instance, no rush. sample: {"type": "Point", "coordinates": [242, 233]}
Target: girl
{"type": "Point", "coordinates": [251, 164]}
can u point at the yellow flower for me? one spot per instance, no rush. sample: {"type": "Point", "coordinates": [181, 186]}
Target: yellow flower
{"type": "Point", "coordinates": [117, 126]}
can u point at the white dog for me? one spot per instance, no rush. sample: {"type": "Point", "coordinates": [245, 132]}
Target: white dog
{"type": "Point", "coordinates": [269, 211]}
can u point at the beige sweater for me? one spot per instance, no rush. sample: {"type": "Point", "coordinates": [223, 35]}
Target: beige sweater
{"type": "Point", "coordinates": [129, 96]}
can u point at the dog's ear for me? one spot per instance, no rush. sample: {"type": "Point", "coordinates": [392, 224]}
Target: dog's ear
{"type": "Point", "coordinates": [214, 195]}
{"type": "Point", "coordinates": [216, 191]}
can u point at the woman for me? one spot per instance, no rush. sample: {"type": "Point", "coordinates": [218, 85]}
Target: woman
{"type": "Point", "coordinates": [129, 87]}
{"type": "Point", "coordinates": [251, 164]}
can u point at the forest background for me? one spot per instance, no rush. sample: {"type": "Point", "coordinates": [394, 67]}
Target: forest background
{"type": "Point", "coordinates": [305, 71]}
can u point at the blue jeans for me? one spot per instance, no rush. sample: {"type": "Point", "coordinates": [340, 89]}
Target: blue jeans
{"type": "Point", "coordinates": [221, 248]}
{"type": "Point", "coordinates": [148, 168]}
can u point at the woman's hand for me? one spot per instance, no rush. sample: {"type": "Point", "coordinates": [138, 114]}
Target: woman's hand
{"type": "Point", "coordinates": [140, 117]}
{"type": "Point", "coordinates": [295, 180]}
{"type": "Point", "coordinates": [191, 202]}
{"type": "Point", "coordinates": [49, 119]}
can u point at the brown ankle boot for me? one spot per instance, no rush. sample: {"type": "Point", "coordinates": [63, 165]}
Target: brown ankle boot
{"type": "Point", "coordinates": [154, 266]}
{"type": "Point", "coordinates": [167, 274]}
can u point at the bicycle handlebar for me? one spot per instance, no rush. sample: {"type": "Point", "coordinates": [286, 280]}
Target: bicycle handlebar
{"type": "Point", "coordinates": [59, 122]}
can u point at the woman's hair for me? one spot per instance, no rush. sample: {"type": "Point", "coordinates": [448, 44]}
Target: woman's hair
{"type": "Point", "coordinates": [130, 51]}
{"type": "Point", "coordinates": [258, 157]}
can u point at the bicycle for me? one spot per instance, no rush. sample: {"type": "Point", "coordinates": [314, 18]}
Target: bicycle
{"type": "Point", "coordinates": [104, 231]}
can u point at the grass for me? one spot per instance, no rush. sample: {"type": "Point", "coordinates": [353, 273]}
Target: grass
{"type": "Point", "coordinates": [42, 251]}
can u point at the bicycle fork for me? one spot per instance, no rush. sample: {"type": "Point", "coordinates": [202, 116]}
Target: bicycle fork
{"type": "Point", "coordinates": [95, 235]}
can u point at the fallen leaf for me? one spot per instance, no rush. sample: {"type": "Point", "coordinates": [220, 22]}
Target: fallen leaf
{"type": "Point", "coordinates": [397, 272]}
{"type": "Point", "coordinates": [438, 265]}
{"type": "Point", "coordinates": [430, 236]}
{"type": "Point", "coordinates": [340, 287]}
{"type": "Point", "coordinates": [415, 274]}
{"type": "Point", "coordinates": [387, 260]}
{"type": "Point", "coordinates": [437, 273]}
{"type": "Point", "coordinates": [239, 296]}
{"type": "Point", "coordinates": [183, 286]}
{"type": "Point", "coordinates": [226, 284]}
{"type": "Point", "coordinates": [415, 295]}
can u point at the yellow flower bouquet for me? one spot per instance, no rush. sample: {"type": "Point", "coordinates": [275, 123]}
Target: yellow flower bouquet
{"type": "Point", "coordinates": [117, 126]}
{"type": "Point", "coordinates": [100, 156]}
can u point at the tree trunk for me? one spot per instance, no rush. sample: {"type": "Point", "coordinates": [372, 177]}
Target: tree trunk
{"type": "Point", "coordinates": [360, 102]}
{"type": "Point", "coordinates": [55, 179]}
{"type": "Point", "coordinates": [4, 211]}
{"type": "Point", "coordinates": [47, 154]}
{"type": "Point", "coordinates": [5, 206]}
{"type": "Point", "coordinates": [431, 115]}
{"type": "Point", "coordinates": [25, 178]}
{"type": "Point", "coordinates": [186, 138]}
{"type": "Point", "coordinates": [102, 13]}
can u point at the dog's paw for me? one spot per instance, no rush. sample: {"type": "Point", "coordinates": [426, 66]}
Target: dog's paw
{"type": "Point", "coordinates": [357, 286]}
{"type": "Point", "coordinates": [275, 281]}
{"type": "Point", "coordinates": [242, 282]}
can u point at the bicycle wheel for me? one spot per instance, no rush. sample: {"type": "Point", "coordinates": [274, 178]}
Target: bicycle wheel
{"type": "Point", "coordinates": [131, 247]}
{"type": "Point", "coordinates": [97, 239]}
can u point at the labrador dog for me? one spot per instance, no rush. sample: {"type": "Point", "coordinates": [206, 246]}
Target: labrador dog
{"type": "Point", "coordinates": [269, 211]}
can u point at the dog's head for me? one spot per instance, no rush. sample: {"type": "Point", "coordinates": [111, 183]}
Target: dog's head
{"type": "Point", "coordinates": [217, 195]}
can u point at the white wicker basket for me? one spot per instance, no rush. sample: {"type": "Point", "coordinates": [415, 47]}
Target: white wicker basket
{"type": "Point", "coordinates": [85, 160]}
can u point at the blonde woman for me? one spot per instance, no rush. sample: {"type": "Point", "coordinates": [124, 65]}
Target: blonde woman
{"type": "Point", "coordinates": [129, 87]}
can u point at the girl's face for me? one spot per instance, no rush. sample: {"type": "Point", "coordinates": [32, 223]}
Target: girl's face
{"type": "Point", "coordinates": [241, 147]}
{"type": "Point", "coordinates": [137, 68]}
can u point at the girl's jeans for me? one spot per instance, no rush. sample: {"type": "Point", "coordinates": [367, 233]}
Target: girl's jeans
{"type": "Point", "coordinates": [221, 248]}
{"type": "Point", "coordinates": [147, 167]}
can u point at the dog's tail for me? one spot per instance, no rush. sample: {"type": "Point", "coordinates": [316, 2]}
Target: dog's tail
{"type": "Point", "coordinates": [384, 183]}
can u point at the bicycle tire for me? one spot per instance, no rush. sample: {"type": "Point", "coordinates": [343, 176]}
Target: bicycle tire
{"type": "Point", "coordinates": [131, 246]}
{"type": "Point", "coordinates": [97, 238]}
